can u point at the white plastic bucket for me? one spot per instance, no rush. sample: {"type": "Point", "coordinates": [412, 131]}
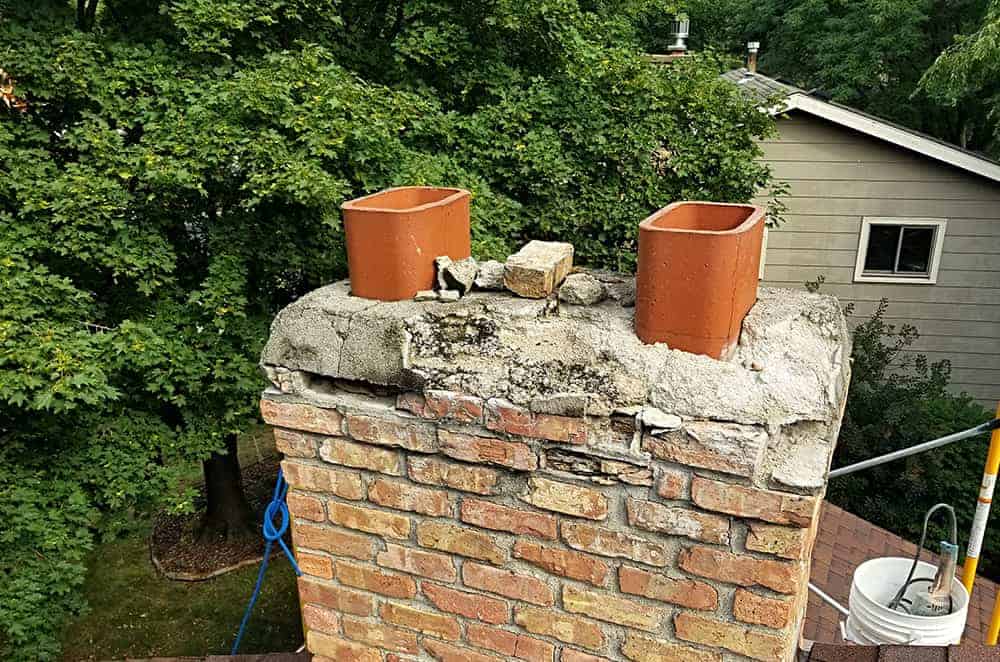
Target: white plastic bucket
{"type": "Point", "coordinates": [871, 622]}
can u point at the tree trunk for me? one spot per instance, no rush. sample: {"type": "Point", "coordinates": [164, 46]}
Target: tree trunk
{"type": "Point", "coordinates": [227, 514]}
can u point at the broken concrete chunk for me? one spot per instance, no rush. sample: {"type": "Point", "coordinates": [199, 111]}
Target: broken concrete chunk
{"type": "Point", "coordinates": [441, 263]}
{"type": "Point", "coordinates": [449, 295]}
{"type": "Point", "coordinates": [560, 404]}
{"type": "Point", "coordinates": [490, 276]}
{"type": "Point", "coordinates": [457, 275]}
{"type": "Point", "coordinates": [538, 268]}
{"type": "Point", "coordinates": [581, 290]}
{"type": "Point", "coordinates": [659, 420]}
{"type": "Point", "coordinates": [425, 295]}
{"type": "Point", "coordinates": [626, 294]}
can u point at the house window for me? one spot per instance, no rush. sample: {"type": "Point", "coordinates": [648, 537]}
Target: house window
{"type": "Point", "coordinates": [899, 250]}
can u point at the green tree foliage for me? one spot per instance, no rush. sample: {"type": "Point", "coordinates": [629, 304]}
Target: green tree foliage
{"type": "Point", "coordinates": [968, 71]}
{"type": "Point", "coordinates": [870, 55]}
{"type": "Point", "coordinates": [898, 399]}
{"type": "Point", "coordinates": [171, 175]}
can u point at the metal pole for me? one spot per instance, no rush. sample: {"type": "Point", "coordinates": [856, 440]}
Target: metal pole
{"type": "Point", "coordinates": [919, 448]}
{"type": "Point", "coordinates": [828, 600]}
{"type": "Point", "coordinates": [978, 531]}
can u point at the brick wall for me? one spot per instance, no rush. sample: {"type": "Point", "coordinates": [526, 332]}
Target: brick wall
{"type": "Point", "coordinates": [446, 526]}
{"type": "Point", "coordinates": [502, 478]}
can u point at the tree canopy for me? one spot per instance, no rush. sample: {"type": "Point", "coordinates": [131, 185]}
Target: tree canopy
{"type": "Point", "coordinates": [171, 175]}
{"type": "Point", "coordinates": [871, 55]}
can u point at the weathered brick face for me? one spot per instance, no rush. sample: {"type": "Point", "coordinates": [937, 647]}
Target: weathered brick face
{"type": "Point", "coordinates": [582, 521]}
{"type": "Point", "coordinates": [481, 551]}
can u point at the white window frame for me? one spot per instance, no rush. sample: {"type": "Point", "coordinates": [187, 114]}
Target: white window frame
{"type": "Point", "coordinates": [939, 225]}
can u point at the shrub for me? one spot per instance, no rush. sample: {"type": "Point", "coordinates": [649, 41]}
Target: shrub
{"type": "Point", "coordinates": [898, 399]}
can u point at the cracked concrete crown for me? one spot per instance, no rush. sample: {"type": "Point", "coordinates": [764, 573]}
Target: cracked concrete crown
{"type": "Point", "coordinates": [791, 364]}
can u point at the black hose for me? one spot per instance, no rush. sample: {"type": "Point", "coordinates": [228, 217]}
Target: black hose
{"type": "Point", "coordinates": [898, 598]}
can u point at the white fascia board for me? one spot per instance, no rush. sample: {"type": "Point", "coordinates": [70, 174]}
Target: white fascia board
{"type": "Point", "coordinates": [872, 127]}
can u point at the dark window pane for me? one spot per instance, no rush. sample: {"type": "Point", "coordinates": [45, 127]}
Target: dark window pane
{"type": "Point", "coordinates": [882, 240]}
{"type": "Point", "coordinates": [915, 253]}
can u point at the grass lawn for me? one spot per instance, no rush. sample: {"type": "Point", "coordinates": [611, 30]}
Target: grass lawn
{"type": "Point", "coordinates": [134, 612]}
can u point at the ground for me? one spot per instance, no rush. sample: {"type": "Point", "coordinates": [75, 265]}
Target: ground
{"type": "Point", "coordinates": [134, 612]}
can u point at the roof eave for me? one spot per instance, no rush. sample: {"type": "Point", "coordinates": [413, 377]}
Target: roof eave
{"type": "Point", "coordinates": [872, 127]}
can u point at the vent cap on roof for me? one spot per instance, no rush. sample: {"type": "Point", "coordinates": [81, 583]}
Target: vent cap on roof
{"type": "Point", "coordinates": [679, 30]}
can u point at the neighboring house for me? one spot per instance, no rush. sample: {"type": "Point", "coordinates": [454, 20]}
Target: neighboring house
{"type": "Point", "coordinates": [880, 211]}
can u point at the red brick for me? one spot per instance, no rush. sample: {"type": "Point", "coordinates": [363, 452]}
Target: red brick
{"type": "Point", "coordinates": [459, 540]}
{"type": "Point", "coordinates": [345, 484]}
{"type": "Point", "coordinates": [752, 608]}
{"type": "Point", "coordinates": [564, 627]}
{"type": "Point", "coordinates": [381, 636]}
{"type": "Point", "coordinates": [448, 653]}
{"type": "Point", "coordinates": [403, 496]}
{"type": "Point", "coordinates": [599, 540]}
{"type": "Point", "coordinates": [436, 404]}
{"type": "Point", "coordinates": [780, 576]}
{"type": "Point", "coordinates": [319, 618]}
{"type": "Point", "coordinates": [315, 565]}
{"type": "Point", "coordinates": [416, 436]}
{"type": "Point", "coordinates": [469, 605]}
{"type": "Point", "coordinates": [774, 507]}
{"type": "Point", "coordinates": [562, 562]}
{"type": "Point", "coordinates": [727, 447]}
{"type": "Point", "coordinates": [427, 622]}
{"type": "Point", "coordinates": [507, 583]}
{"type": "Point", "coordinates": [418, 562]}
{"type": "Point", "coordinates": [684, 592]}
{"type": "Point", "coordinates": [607, 607]}
{"type": "Point", "coordinates": [501, 518]}
{"type": "Point", "coordinates": [301, 417]}
{"type": "Point", "coordinates": [341, 543]}
{"type": "Point", "coordinates": [375, 581]}
{"type": "Point", "coordinates": [433, 471]}
{"type": "Point", "coordinates": [440, 405]}
{"type": "Point", "coordinates": [486, 450]}
{"type": "Point", "coordinates": [783, 541]}
{"type": "Point", "coordinates": [412, 402]}
{"type": "Point", "coordinates": [361, 456]}
{"type": "Point", "coordinates": [503, 416]}
{"type": "Point", "coordinates": [731, 636]}
{"type": "Point", "coordinates": [678, 521]}
{"type": "Point", "coordinates": [560, 428]}
{"type": "Point", "coordinates": [335, 597]}
{"type": "Point", "coordinates": [340, 650]}
{"type": "Point", "coordinates": [305, 507]}
{"type": "Point", "coordinates": [640, 648]}
{"type": "Point", "coordinates": [566, 498]}
{"type": "Point", "coordinates": [673, 484]}
{"type": "Point", "coordinates": [387, 525]}
{"type": "Point", "coordinates": [294, 444]}
{"type": "Point", "coordinates": [509, 644]}
{"type": "Point", "coordinates": [570, 655]}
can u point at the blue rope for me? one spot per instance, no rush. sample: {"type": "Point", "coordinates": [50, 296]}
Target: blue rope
{"type": "Point", "coordinates": [272, 534]}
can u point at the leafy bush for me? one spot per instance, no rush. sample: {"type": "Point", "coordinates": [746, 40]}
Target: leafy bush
{"type": "Point", "coordinates": [898, 399]}
{"type": "Point", "coordinates": [171, 175]}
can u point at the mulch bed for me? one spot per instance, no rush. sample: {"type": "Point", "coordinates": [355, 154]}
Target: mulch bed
{"type": "Point", "coordinates": [177, 554]}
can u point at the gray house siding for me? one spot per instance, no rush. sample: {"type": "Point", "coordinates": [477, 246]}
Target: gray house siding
{"type": "Point", "coordinates": [837, 177]}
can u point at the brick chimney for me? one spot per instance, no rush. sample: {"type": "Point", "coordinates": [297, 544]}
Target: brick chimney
{"type": "Point", "coordinates": [504, 478]}
{"type": "Point", "coordinates": [753, 47]}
